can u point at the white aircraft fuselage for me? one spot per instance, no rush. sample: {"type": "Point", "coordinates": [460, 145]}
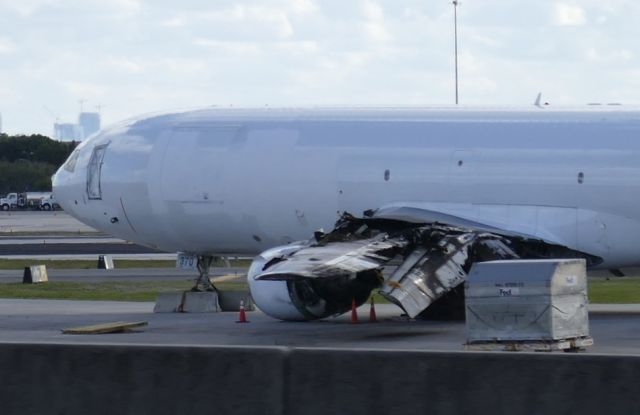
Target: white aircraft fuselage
{"type": "Point", "coordinates": [237, 182]}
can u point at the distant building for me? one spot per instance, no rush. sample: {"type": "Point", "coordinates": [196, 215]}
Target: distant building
{"type": "Point", "coordinates": [89, 123]}
{"type": "Point", "coordinates": [67, 132]}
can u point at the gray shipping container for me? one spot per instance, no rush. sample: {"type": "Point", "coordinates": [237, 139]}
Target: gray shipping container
{"type": "Point", "coordinates": [527, 300]}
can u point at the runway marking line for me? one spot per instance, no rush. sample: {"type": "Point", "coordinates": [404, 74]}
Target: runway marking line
{"type": "Point", "coordinates": [227, 277]}
{"type": "Point", "coordinates": [115, 327]}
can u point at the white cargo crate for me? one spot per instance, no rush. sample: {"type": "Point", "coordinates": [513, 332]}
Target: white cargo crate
{"type": "Point", "coordinates": [527, 300]}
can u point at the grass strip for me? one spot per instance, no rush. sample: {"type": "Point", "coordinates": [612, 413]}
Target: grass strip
{"type": "Point", "coordinates": [614, 291]}
{"type": "Point", "coordinates": [102, 290]}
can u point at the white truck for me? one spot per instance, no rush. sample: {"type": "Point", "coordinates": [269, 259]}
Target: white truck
{"type": "Point", "coordinates": [49, 203]}
{"type": "Point", "coordinates": [23, 201]}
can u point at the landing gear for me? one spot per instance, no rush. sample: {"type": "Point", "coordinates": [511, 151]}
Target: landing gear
{"type": "Point", "coordinates": [203, 283]}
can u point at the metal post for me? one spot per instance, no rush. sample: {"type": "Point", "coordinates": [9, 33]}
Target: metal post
{"type": "Point", "coordinates": [455, 35]}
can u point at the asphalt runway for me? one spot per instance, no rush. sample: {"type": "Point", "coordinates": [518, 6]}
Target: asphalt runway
{"type": "Point", "coordinates": [73, 248]}
{"type": "Point", "coordinates": [27, 222]}
{"type": "Point", "coordinates": [35, 233]}
{"type": "Point", "coordinates": [53, 239]}
{"type": "Point", "coordinates": [41, 321]}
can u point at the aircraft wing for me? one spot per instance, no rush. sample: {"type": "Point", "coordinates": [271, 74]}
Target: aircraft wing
{"type": "Point", "coordinates": [432, 251]}
{"type": "Point", "coordinates": [523, 221]}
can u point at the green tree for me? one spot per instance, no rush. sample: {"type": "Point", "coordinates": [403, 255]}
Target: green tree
{"type": "Point", "coordinates": [27, 162]}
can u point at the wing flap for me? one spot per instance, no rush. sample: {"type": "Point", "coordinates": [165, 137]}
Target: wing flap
{"type": "Point", "coordinates": [416, 286]}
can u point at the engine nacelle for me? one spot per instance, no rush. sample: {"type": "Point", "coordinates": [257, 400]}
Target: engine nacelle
{"type": "Point", "coordinates": [306, 298]}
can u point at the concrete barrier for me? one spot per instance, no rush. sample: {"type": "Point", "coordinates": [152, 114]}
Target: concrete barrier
{"type": "Point", "coordinates": [81, 379]}
{"type": "Point", "coordinates": [381, 382]}
{"type": "Point", "coordinates": [200, 302]}
{"type": "Point", "coordinates": [168, 302]}
{"type": "Point", "coordinates": [35, 274]}
{"type": "Point", "coordinates": [187, 302]}
{"type": "Point", "coordinates": [230, 300]}
{"type": "Point", "coordinates": [105, 262]}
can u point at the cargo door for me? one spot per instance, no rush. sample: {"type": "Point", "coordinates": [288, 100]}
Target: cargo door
{"type": "Point", "coordinates": [193, 164]}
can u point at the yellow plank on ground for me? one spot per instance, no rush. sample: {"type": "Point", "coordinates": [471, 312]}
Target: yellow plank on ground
{"type": "Point", "coordinates": [115, 327]}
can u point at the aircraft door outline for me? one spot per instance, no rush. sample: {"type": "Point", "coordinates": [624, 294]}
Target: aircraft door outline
{"type": "Point", "coordinates": [94, 172]}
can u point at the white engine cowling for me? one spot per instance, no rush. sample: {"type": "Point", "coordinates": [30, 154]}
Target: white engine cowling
{"type": "Point", "coordinates": [305, 298]}
{"type": "Point", "coordinates": [272, 297]}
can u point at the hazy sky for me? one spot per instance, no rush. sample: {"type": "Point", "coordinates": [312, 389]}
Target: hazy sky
{"type": "Point", "coordinates": [135, 56]}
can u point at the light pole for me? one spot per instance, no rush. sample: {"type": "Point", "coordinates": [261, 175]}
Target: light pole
{"type": "Point", "coordinates": [455, 37]}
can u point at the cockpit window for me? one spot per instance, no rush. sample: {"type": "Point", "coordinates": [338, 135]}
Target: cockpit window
{"type": "Point", "coordinates": [94, 170]}
{"type": "Point", "coordinates": [70, 165]}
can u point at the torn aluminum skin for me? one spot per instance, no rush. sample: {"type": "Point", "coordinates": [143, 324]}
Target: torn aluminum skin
{"type": "Point", "coordinates": [331, 270]}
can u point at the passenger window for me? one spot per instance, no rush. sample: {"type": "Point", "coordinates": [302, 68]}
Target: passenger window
{"type": "Point", "coordinates": [94, 170]}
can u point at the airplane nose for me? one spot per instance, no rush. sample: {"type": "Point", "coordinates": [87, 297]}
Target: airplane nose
{"type": "Point", "coordinates": [66, 184]}
{"type": "Point", "coordinates": [60, 189]}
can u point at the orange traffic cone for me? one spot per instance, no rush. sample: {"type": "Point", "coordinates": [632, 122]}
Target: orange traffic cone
{"type": "Point", "coordinates": [354, 312]}
{"type": "Point", "coordinates": [243, 316]}
{"type": "Point", "coordinates": [372, 312]}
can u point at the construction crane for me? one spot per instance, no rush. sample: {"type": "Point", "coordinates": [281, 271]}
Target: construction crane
{"type": "Point", "coordinates": [55, 116]}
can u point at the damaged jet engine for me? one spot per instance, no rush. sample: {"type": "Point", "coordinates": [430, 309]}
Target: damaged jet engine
{"type": "Point", "coordinates": [325, 274]}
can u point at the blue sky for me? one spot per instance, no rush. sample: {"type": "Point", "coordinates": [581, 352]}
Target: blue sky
{"type": "Point", "coordinates": [136, 56]}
